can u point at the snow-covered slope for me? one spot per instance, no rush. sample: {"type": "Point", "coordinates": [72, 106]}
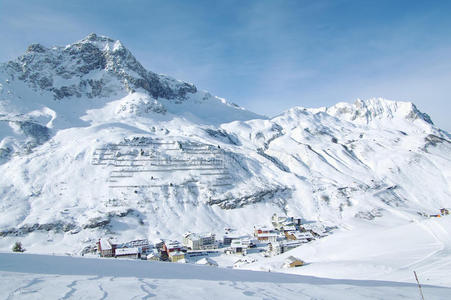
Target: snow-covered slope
{"type": "Point", "coordinates": [375, 251]}
{"type": "Point", "coordinates": [53, 277]}
{"type": "Point", "coordinates": [92, 144]}
{"type": "Point", "coordinates": [374, 110]}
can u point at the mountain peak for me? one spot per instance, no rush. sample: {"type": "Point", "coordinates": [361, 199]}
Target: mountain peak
{"type": "Point", "coordinates": [92, 37]}
{"type": "Point", "coordinates": [103, 43]}
{"type": "Point", "coordinates": [38, 48]}
{"type": "Point", "coordinates": [367, 111]}
{"type": "Point", "coordinates": [100, 68]}
{"type": "Point", "coordinates": [96, 66]}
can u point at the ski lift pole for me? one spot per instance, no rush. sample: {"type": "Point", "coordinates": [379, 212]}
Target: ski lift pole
{"type": "Point", "coordinates": [419, 285]}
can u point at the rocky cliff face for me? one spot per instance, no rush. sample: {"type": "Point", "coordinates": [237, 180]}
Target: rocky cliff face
{"type": "Point", "coordinates": [84, 69]}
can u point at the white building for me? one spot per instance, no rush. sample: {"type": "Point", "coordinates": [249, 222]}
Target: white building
{"type": "Point", "coordinates": [267, 237]}
{"type": "Point", "coordinates": [105, 247]}
{"type": "Point", "coordinates": [154, 255]}
{"type": "Point", "coordinates": [239, 246]}
{"type": "Point", "coordinates": [280, 247]}
{"type": "Point", "coordinates": [200, 241]}
{"type": "Point", "coordinates": [304, 237]}
{"type": "Point", "coordinates": [280, 221]}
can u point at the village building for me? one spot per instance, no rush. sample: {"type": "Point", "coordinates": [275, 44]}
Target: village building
{"type": "Point", "coordinates": [228, 237]}
{"type": "Point", "coordinates": [279, 222]}
{"type": "Point", "coordinates": [143, 245]}
{"type": "Point", "coordinates": [154, 255]}
{"type": "Point", "coordinates": [280, 247]}
{"type": "Point", "coordinates": [246, 241]}
{"type": "Point", "coordinates": [106, 248]}
{"type": "Point", "coordinates": [315, 229]}
{"type": "Point", "coordinates": [201, 241]}
{"type": "Point", "coordinates": [305, 237]}
{"type": "Point", "coordinates": [158, 244]}
{"type": "Point", "coordinates": [291, 235]}
{"type": "Point", "coordinates": [265, 234]}
{"type": "Point", "coordinates": [172, 246]}
{"type": "Point", "coordinates": [134, 253]}
{"type": "Point", "coordinates": [267, 237]}
{"type": "Point", "coordinates": [286, 228]}
{"type": "Point", "coordinates": [293, 262]}
{"type": "Point", "coordinates": [262, 229]}
{"type": "Point", "coordinates": [175, 256]}
{"type": "Point", "coordinates": [239, 246]}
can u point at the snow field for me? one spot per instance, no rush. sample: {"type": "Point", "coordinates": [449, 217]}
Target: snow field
{"type": "Point", "coordinates": [25, 276]}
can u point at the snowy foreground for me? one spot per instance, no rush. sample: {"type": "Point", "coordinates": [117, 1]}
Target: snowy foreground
{"type": "Point", "coordinates": [27, 276]}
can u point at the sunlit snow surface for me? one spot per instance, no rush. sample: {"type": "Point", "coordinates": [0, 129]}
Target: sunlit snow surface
{"type": "Point", "coordinates": [25, 276]}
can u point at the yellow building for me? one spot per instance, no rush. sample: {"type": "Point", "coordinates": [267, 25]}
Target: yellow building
{"type": "Point", "coordinates": [293, 262]}
{"type": "Point", "coordinates": [176, 256]}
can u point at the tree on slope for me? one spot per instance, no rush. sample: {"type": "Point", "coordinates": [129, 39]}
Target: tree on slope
{"type": "Point", "coordinates": [18, 247]}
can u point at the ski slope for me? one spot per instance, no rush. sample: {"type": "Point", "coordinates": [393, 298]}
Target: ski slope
{"type": "Point", "coordinates": [381, 252]}
{"type": "Point", "coordinates": [24, 276]}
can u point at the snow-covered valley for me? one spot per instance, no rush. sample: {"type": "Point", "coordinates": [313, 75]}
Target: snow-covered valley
{"type": "Point", "coordinates": [93, 146]}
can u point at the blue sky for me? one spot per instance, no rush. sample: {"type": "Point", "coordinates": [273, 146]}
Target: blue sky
{"type": "Point", "coordinates": [264, 55]}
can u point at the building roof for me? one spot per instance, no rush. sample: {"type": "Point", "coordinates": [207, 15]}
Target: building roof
{"type": "Point", "coordinates": [158, 241]}
{"type": "Point", "coordinates": [271, 234]}
{"type": "Point", "coordinates": [317, 228]}
{"type": "Point", "coordinates": [173, 244]}
{"type": "Point", "coordinates": [305, 234]}
{"type": "Point", "coordinates": [127, 251]}
{"type": "Point", "coordinates": [263, 227]}
{"type": "Point", "coordinates": [292, 259]}
{"type": "Point", "coordinates": [105, 244]}
{"type": "Point", "coordinates": [152, 255]}
{"type": "Point", "coordinates": [236, 236]}
{"type": "Point", "coordinates": [289, 227]}
{"type": "Point", "coordinates": [295, 243]}
{"type": "Point", "coordinates": [138, 243]}
{"type": "Point", "coordinates": [176, 253]}
{"type": "Point", "coordinates": [198, 236]}
{"type": "Point", "coordinates": [238, 243]}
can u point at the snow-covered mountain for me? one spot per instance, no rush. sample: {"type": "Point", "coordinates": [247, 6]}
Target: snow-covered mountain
{"type": "Point", "coordinates": [93, 144]}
